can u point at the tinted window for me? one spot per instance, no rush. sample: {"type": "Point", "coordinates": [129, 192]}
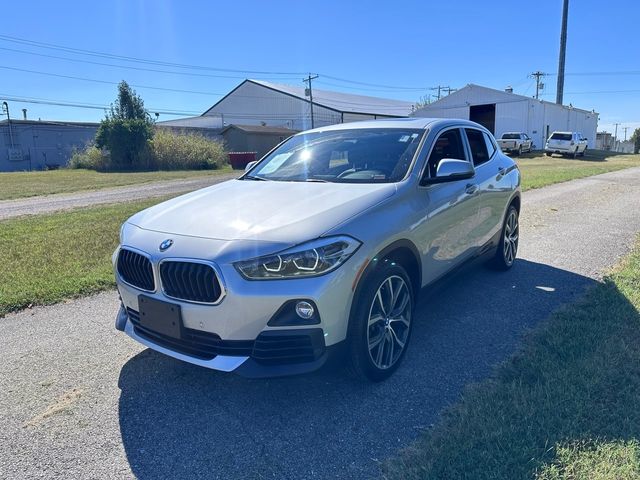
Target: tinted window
{"type": "Point", "coordinates": [356, 156]}
{"type": "Point", "coordinates": [448, 145]}
{"type": "Point", "coordinates": [561, 136]}
{"type": "Point", "coordinates": [478, 146]}
{"type": "Point", "coordinates": [511, 136]}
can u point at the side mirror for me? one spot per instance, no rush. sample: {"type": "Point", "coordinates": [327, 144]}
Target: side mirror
{"type": "Point", "coordinates": [250, 165]}
{"type": "Point", "coordinates": [450, 170]}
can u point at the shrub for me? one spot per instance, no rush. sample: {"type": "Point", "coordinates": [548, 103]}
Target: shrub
{"type": "Point", "coordinates": [89, 157]}
{"type": "Point", "coordinates": [173, 151]}
{"type": "Point", "coordinates": [126, 130]}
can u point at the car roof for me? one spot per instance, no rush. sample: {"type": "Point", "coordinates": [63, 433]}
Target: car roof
{"type": "Point", "coordinates": [417, 123]}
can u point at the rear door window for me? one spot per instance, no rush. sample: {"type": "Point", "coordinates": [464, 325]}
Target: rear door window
{"type": "Point", "coordinates": [478, 146]}
{"type": "Point", "coordinates": [491, 146]}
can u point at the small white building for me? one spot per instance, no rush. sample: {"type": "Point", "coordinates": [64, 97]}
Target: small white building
{"type": "Point", "coordinates": [501, 111]}
{"type": "Point", "coordinates": [255, 102]}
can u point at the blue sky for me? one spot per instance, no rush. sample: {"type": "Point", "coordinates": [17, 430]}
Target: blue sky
{"type": "Point", "coordinates": [418, 45]}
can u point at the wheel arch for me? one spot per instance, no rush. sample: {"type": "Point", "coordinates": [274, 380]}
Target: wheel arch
{"type": "Point", "coordinates": [403, 252]}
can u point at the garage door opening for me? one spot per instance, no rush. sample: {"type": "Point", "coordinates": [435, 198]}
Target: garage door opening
{"type": "Point", "coordinates": [485, 115]}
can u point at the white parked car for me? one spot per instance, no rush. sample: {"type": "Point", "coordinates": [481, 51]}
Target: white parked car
{"type": "Point", "coordinates": [566, 143]}
{"type": "Point", "coordinates": [515, 142]}
{"type": "Point", "coordinates": [319, 249]}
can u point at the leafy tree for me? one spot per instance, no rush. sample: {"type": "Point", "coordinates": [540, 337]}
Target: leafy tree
{"type": "Point", "coordinates": [126, 129]}
{"type": "Point", "coordinates": [635, 139]}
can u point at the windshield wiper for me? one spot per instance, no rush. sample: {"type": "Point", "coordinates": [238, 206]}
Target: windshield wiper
{"type": "Point", "coordinates": [253, 177]}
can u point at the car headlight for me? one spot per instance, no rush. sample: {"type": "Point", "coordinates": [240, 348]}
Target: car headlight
{"type": "Point", "coordinates": [307, 260]}
{"type": "Point", "coordinates": [122, 232]}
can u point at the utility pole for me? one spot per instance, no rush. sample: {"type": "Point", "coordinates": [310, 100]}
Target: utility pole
{"type": "Point", "coordinates": [625, 132]}
{"type": "Point", "coordinates": [538, 75]}
{"type": "Point", "coordinates": [442, 88]}
{"type": "Point", "coordinates": [309, 92]}
{"type": "Point", "coordinates": [615, 138]}
{"type": "Point", "coordinates": [563, 51]}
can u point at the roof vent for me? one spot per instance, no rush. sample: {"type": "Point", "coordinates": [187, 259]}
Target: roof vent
{"type": "Point", "coordinates": [509, 89]}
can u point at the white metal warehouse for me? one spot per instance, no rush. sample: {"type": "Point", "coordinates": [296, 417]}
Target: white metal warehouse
{"type": "Point", "coordinates": [255, 102]}
{"type": "Point", "coordinates": [501, 111]}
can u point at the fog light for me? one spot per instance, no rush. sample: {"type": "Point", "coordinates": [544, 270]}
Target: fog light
{"type": "Point", "coordinates": [304, 310]}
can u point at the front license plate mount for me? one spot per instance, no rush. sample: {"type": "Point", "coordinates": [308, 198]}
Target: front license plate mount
{"type": "Point", "coordinates": [161, 317]}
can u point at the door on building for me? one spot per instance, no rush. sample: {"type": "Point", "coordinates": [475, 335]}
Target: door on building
{"type": "Point", "coordinates": [485, 115]}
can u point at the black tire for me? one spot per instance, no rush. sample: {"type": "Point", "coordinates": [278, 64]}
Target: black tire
{"type": "Point", "coordinates": [549, 154]}
{"type": "Point", "coordinates": [584, 152]}
{"type": "Point", "coordinates": [520, 150]}
{"type": "Point", "coordinates": [361, 362]}
{"type": "Point", "coordinates": [575, 153]}
{"type": "Point", "coordinates": [501, 260]}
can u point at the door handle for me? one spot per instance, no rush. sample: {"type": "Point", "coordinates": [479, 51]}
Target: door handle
{"type": "Point", "coordinates": [471, 188]}
{"type": "Point", "coordinates": [501, 172]}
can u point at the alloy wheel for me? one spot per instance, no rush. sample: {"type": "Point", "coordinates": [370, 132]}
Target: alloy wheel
{"type": "Point", "coordinates": [511, 234]}
{"type": "Point", "coordinates": [389, 322]}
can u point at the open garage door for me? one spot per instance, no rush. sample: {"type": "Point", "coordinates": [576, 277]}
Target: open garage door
{"type": "Point", "coordinates": [485, 115]}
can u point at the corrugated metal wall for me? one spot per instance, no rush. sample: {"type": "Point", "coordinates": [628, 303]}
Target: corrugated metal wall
{"type": "Point", "coordinates": [35, 146]}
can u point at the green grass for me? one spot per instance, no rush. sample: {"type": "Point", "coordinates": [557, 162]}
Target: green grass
{"type": "Point", "coordinates": [567, 406]}
{"type": "Point", "coordinates": [47, 258]}
{"type": "Point", "coordinates": [539, 171]}
{"type": "Point", "coordinates": [29, 184]}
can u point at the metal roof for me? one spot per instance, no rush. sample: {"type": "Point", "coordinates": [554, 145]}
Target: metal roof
{"type": "Point", "coordinates": [266, 129]}
{"type": "Point", "coordinates": [338, 101]}
{"type": "Point", "coordinates": [193, 122]}
{"type": "Point", "coordinates": [494, 94]}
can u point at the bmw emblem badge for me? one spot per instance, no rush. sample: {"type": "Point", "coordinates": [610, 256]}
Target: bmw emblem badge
{"type": "Point", "coordinates": [166, 244]}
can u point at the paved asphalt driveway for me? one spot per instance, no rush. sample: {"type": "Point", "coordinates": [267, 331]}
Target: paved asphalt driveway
{"type": "Point", "coordinates": [128, 193]}
{"type": "Point", "coordinates": [80, 400]}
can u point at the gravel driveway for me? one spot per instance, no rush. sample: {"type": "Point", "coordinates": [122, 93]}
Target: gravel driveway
{"type": "Point", "coordinates": [67, 201]}
{"type": "Point", "coordinates": [80, 400]}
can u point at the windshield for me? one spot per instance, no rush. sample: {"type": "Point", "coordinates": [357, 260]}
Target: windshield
{"type": "Point", "coordinates": [561, 136]}
{"type": "Point", "coordinates": [511, 136]}
{"type": "Point", "coordinates": [375, 155]}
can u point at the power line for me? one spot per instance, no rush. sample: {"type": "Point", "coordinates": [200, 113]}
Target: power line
{"type": "Point", "coordinates": [126, 67]}
{"type": "Point", "coordinates": [255, 97]}
{"type": "Point", "coordinates": [94, 80]}
{"type": "Point", "coordinates": [370, 84]}
{"type": "Point", "coordinates": [92, 53]}
{"type": "Point", "coordinates": [93, 106]}
{"type": "Point", "coordinates": [162, 63]}
{"type": "Point", "coordinates": [596, 92]}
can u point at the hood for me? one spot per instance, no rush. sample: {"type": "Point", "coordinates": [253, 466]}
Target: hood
{"type": "Point", "coordinates": [288, 212]}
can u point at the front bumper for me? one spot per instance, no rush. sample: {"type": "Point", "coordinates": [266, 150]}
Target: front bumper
{"type": "Point", "coordinates": [243, 315]}
{"type": "Point", "coordinates": [259, 363]}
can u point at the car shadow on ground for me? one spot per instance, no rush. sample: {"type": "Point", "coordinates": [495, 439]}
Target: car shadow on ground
{"type": "Point", "coordinates": [182, 421]}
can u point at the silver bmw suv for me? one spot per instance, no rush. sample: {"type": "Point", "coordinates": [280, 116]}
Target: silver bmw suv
{"type": "Point", "coordinates": [319, 250]}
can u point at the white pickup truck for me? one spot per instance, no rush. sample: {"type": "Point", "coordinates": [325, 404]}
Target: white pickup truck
{"type": "Point", "coordinates": [515, 142]}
